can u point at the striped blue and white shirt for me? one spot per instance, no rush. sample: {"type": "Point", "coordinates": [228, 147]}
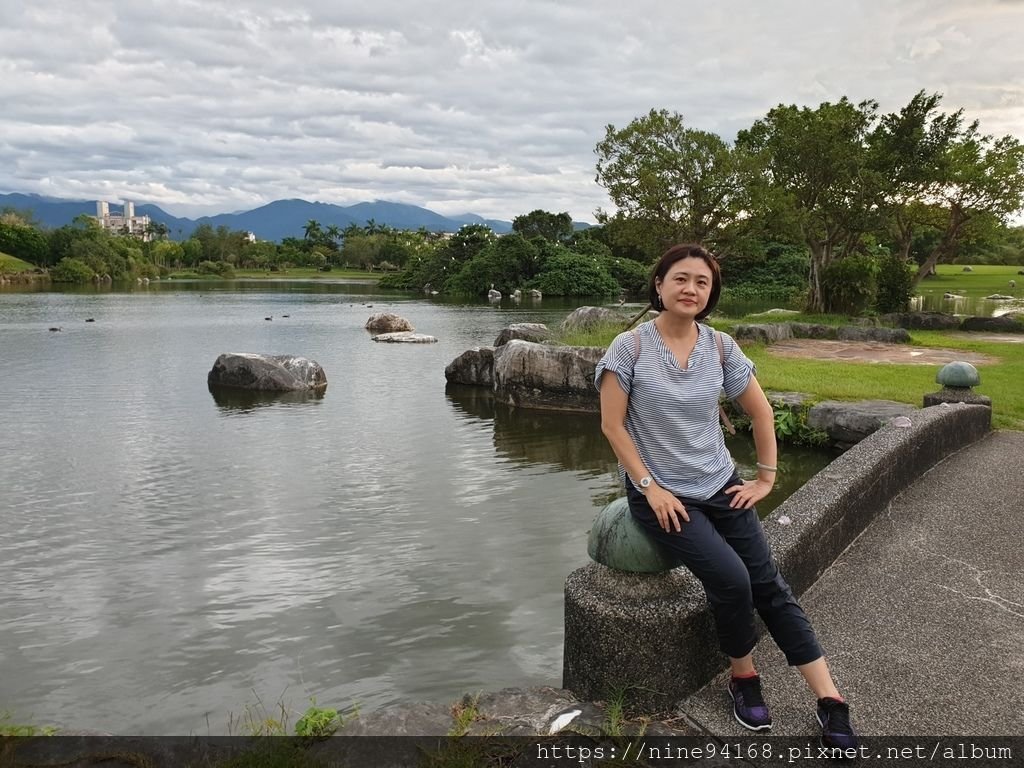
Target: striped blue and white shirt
{"type": "Point", "coordinates": [672, 413]}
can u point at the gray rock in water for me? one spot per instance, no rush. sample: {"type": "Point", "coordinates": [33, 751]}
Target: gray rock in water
{"type": "Point", "coordinates": [388, 322]}
{"type": "Point", "coordinates": [526, 331]}
{"type": "Point", "coordinates": [543, 376]}
{"type": "Point", "coordinates": [405, 337]}
{"type": "Point", "coordinates": [266, 373]}
{"type": "Point", "coordinates": [474, 367]}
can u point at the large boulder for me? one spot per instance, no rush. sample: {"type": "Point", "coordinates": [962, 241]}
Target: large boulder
{"type": "Point", "coordinates": [388, 322]}
{"type": "Point", "coordinates": [544, 376]}
{"type": "Point", "coordinates": [847, 423]}
{"type": "Point", "coordinates": [266, 373]}
{"type": "Point", "coordinates": [585, 318]}
{"type": "Point", "coordinates": [537, 332]}
{"type": "Point", "coordinates": [1001, 324]}
{"type": "Point", "coordinates": [767, 333]}
{"type": "Point", "coordinates": [924, 321]}
{"type": "Point", "coordinates": [885, 335]}
{"type": "Point", "coordinates": [474, 366]}
{"type": "Point", "coordinates": [814, 331]}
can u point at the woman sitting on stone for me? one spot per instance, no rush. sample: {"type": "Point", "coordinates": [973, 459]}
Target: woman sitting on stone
{"type": "Point", "coordinates": [660, 413]}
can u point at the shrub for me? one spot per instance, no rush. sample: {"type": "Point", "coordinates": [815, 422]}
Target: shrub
{"type": "Point", "coordinates": [849, 284]}
{"type": "Point", "coordinates": [70, 270]}
{"type": "Point", "coordinates": [571, 274]}
{"type": "Point", "coordinates": [895, 285]}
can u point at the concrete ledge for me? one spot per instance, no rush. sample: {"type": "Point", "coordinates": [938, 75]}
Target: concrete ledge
{"type": "Point", "coordinates": [833, 507]}
{"type": "Point", "coordinates": [653, 633]}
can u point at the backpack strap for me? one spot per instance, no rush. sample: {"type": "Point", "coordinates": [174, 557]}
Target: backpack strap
{"type": "Point", "coordinates": [721, 411]}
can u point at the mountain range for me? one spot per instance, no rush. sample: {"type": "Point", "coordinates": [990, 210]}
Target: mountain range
{"type": "Point", "coordinates": [273, 221]}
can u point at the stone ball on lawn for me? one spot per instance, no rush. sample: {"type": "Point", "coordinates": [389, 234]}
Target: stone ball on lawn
{"type": "Point", "coordinates": [618, 541]}
{"type": "Point", "coordinates": [958, 374]}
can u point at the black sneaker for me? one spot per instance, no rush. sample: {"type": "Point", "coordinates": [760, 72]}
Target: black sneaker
{"type": "Point", "coordinates": [748, 704]}
{"type": "Point", "coordinates": [834, 719]}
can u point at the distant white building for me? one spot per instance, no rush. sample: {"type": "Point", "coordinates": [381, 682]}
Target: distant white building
{"type": "Point", "coordinates": [124, 223]}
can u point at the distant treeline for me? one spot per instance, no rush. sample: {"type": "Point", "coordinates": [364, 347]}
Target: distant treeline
{"type": "Point", "coordinates": [833, 205]}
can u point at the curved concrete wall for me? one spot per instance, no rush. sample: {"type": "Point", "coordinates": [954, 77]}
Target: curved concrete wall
{"type": "Point", "coordinates": [653, 634]}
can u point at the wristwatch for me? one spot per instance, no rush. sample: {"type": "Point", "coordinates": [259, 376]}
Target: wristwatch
{"type": "Point", "coordinates": [645, 483]}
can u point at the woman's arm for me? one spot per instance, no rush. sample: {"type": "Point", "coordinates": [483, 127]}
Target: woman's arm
{"type": "Point", "coordinates": [666, 506]}
{"type": "Point", "coordinates": [762, 419]}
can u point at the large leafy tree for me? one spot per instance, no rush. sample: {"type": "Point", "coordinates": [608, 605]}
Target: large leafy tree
{"type": "Point", "coordinates": [983, 180]}
{"type": "Point", "coordinates": [812, 164]}
{"type": "Point", "coordinates": [677, 183]}
{"type": "Point", "coordinates": [556, 227]}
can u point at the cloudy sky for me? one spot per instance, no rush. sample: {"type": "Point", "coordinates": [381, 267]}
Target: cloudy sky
{"type": "Point", "coordinates": [456, 105]}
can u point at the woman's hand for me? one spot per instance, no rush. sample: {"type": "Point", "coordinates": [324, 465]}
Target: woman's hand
{"type": "Point", "coordinates": [747, 494]}
{"type": "Point", "coordinates": [667, 508]}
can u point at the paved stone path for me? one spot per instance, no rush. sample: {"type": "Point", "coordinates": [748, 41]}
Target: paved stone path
{"type": "Point", "coordinates": [922, 617]}
{"type": "Point", "coordinates": [874, 352]}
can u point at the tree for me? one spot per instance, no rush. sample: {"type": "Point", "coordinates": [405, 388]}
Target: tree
{"type": "Point", "coordinates": [556, 227]}
{"type": "Point", "coordinates": [313, 232]}
{"type": "Point", "coordinates": [908, 150]}
{"type": "Point", "coordinates": [812, 164]}
{"type": "Point", "coordinates": [682, 184]}
{"type": "Point", "coordinates": [984, 179]}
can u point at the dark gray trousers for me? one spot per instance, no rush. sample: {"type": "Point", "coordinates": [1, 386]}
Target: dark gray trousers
{"type": "Point", "coordinates": [727, 551]}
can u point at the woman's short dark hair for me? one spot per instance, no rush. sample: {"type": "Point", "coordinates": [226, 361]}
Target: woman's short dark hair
{"type": "Point", "coordinates": [685, 251]}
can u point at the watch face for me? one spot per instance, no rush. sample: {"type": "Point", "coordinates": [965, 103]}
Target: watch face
{"type": "Point", "coordinates": [645, 482]}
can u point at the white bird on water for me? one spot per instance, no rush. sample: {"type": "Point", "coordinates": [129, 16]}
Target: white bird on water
{"type": "Point", "coordinates": [493, 295]}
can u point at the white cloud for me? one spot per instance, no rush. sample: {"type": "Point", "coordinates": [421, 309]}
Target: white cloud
{"type": "Point", "coordinates": [456, 105]}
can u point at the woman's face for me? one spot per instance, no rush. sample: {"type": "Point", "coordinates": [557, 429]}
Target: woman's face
{"type": "Point", "coordinates": [686, 287]}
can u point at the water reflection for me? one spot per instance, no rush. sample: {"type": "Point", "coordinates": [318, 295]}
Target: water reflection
{"type": "Point", "coordinates": [565, 441]}
{"type": "Point", "coordinates": [574, 442]}
{"type": "Point", "coordinates": [238, 401]}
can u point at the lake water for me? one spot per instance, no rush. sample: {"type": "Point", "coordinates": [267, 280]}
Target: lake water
{"type": "Point", "coordinates": [167, 556]}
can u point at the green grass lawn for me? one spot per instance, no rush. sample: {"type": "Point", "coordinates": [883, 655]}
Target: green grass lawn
{"type": "Point", "coordinates": [1002, 381]}
{"type": "Point", "coordinates": [9, 264]}
{"type": "Point", "coordinates": [983, 280]}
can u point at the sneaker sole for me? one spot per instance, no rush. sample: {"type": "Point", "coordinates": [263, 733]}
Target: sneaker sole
{"type": "Point", "coordinates": [748, 726]}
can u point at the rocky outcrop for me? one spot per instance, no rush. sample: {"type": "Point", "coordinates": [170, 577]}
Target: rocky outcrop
{"type": "Point", "coordinates": [769, 333]}
{"type": "Point", "coordinates": [544, 376]}
{"type": "Point", "coordinates": [924, 321]}
{"type": "Point", "coordinates": [1001, 324]}
{"type": "Point", "coordinates": [585, 318]}
{"type": "Point", "coordinates": [266, 373]}
{"type": "Point", "coordinates": [474, 366]}
{"type": "Point", "coordinates": [536, 332]}
{"type": "Point", "coordinates": [766, 333]}
{"type": "Point", "coordinates": [847, 423]}
{"type": "Point", "coordinates": [405, 337]}
{"type": "Point", "coordinates": [884, 335]}
{"type": "Point", "coordinates": [388, 322]}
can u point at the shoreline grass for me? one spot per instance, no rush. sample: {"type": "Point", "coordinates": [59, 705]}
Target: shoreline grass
{"type": "Point", "coordinates": [11, 265]}
{"type": "Point", "coordinates": [847, 380]}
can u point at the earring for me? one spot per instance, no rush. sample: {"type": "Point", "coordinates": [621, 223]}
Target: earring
{"type": "Point", "coordinates": [661, 304]}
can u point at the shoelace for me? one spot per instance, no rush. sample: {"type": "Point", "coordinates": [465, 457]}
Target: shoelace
{"type": "Point", "coordinates": [838, 717]}
{"type": "Point", "coordinates": [750, 692]}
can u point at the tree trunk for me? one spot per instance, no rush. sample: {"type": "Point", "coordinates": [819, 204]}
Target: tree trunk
{"type": "Point", "coordinates": [944, 247]}
{"type": "Point", "coordinates": [815, 296]}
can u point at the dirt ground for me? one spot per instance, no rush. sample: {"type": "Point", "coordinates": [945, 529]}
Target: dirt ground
{"type": "Point", "coordinates": [877, 352]}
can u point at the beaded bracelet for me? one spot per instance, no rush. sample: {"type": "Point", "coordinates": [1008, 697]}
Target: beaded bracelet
{"type": "Point", "coordinates": [766, 468]}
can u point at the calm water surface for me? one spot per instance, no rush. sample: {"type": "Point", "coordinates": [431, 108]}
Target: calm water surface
{"type": "Point", "coordinates": [166, 556]}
